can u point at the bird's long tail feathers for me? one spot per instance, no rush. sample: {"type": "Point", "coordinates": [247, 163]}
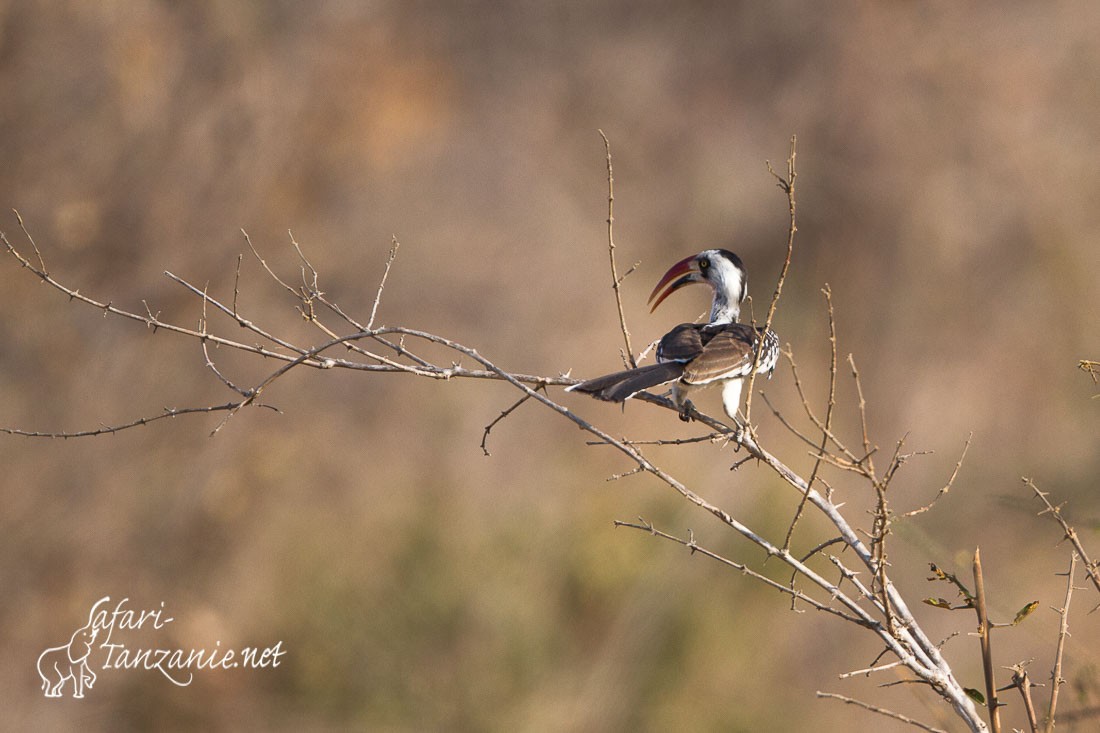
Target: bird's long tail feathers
{"type": "Point", "coordinates": [624, 385]}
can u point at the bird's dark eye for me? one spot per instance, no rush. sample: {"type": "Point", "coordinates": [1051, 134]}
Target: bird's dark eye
{"type": "Point", "coordinates": [704, 264]}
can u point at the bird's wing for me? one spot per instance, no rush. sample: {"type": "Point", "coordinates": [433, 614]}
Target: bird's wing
{"type": "Point", "coordinates": [727, 352]}
{"type": "Point", "coordinates": [683, 343]}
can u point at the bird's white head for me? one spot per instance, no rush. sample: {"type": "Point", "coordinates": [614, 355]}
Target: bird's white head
{"type": "Point", "coordinates": [721, 269]}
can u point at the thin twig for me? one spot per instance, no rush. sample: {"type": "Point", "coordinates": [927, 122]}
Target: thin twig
{"type": "Point", "coordinates": [306, 357]}
{"type": "Point", "coordinates": [708, 438]}
{"type": "Point", "coordinates": [1056, 679]}
{"type": "Point", "coordinates": [108, 429]}
{"type": "Point", "coordinates": [616, 281]}
{"type": "Point", "coordinates": [154, 322]}
{"type": "Point", "coordinates": [27, 234]}
{"type": "Point", "coordinates": [828, 416]}
{"type": "Point", "coordinates": [624, 474]}
{"type": "Point", "coordinates": [787, 186]}
{"type": "Point", "coordinates": [788, 424]}
{"type": "Point", "coordinates": [1092, 568]}
{"type": "Point", "coordinates": [263, 263]}
{"type": "Point", "coordinates": [880, 711]}
{"type": "Point", "coordinates": [806, 557]}
{"type": "Point", "coordinates": [504, 413]}
{"type": "Point", "coordinates": [867, 672]}
{"type": "Point", "coordinates": [862, 413]}
{"type": "Point", "coordinates": [382, 284]}
{"type": "Point", "coordinates": [237, 284]}
{"type": "Point", "coordinates": [947, 486]}
{"type": "Point", "coordinates": [224, 379]}
{"type": "Point", "coordinates": [1022, 682]}
{"type": "Point", "coordinates": [818, 422]}
{"type": "Point", "coordinates": [206, 351]}
{"type": "Point", "coordinates": [692, 545]}
{"type": "Point", "coordinates": [309, 285]}
{"type": "Point", "coordinates": [984, 633]}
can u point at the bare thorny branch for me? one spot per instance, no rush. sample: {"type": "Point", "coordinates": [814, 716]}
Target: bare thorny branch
{"type": "Point", "coordinates": [1056, 679]}
{"type": "Point", "coordinates": [881, 711]}
{"type": "Point", "coordinates": [876, 605]}
{"type": "Point", "coordinates": [1021, 681]}
{"type": "Point", "coordinates": [906, 641]}
{"type": "Point", "coordinates": [827, 427]}
{"type": "Point", "coordinates": [985, 635]}
{"type": "Point", "coordinates": [1092, 567]}
{"type": "Point", "coordinates": [787, 186]}
{"type": "Point", "coordinates": [616, 281]}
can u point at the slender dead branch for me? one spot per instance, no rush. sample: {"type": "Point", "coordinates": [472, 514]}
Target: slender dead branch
{"type": "Point", "coordinates": [297, 356]}
{"type": "Point", "coordinates": [867, 450]}
{"type": "Point", "coordinates": [141, 421]}
{"type": "Point", "coordinates": [504, 413]}
{"type": "Point", "coordinates": [224, 379]}
{"type": "Point", "coordinates": [237, 284]}
{"type": "Point", "coordinates": [828, 416]}
{"type": "Point", "coordinates": [692, 545]}
{"type": "Point", "coordinates": [382, 283]}
{"type": "Point", "coordinates": [787, 186]}
{"type": "Point", "coordinates": [868, 671]}
{"type": "Point", "coordinates": [1023, 684]}
{"type": "Point", "coordinates": [1092, 568]}
{"type": "Point", "coordinates": [34, 246]}
{"type": "Point", "coordinates": [880, 711]}
{"type": "Point", "coordinates": [789, 425]}
{"type": "Point", "coordinates": [1056, 679]}
{"type": "Point", "coordinates": [708, 438]}
{"type": "Point", "coordinates": [850, 457]}
{"type": "Point", "coordinates": [947, 486]}
{"type": "Point", "coordinates": [632, 472]}
{"type": "Point", "coordinates": [152, 322]}
{"type": "Point", "coordinates": [616, 281]}
{"type": "Point", "coordinates": [987, 645]}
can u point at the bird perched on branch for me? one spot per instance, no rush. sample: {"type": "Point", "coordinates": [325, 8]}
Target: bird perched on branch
{"type": "Point", "coordinates": [694, 355]}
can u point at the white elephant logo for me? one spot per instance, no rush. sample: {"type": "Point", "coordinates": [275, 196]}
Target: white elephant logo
{"type": "Point", "coordinates": [68, 662]}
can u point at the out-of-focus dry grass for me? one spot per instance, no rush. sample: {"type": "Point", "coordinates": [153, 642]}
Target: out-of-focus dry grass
{"type": "Point", "coordinates": [947, 194]}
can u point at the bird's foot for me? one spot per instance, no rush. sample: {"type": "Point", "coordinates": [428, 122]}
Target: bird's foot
{"type": "Point", "coordinates": [737, 434]}
{"type": "Point", "coordinates": [685, 411]}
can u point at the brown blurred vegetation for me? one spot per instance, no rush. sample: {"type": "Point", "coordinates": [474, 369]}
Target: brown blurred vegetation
{"type": "Point", "coordinates": [947, 193]}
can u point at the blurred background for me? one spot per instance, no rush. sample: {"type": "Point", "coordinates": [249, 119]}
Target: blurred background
{"type": "Point", "coordinates": [947, 193]}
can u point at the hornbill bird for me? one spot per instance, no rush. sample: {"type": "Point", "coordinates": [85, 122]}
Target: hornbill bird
{"type": "Point", "coordinates": [694, 355]}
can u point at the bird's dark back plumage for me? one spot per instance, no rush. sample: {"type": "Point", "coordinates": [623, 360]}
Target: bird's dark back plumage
{"type": "Point", "coordinates": [711, 352]}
